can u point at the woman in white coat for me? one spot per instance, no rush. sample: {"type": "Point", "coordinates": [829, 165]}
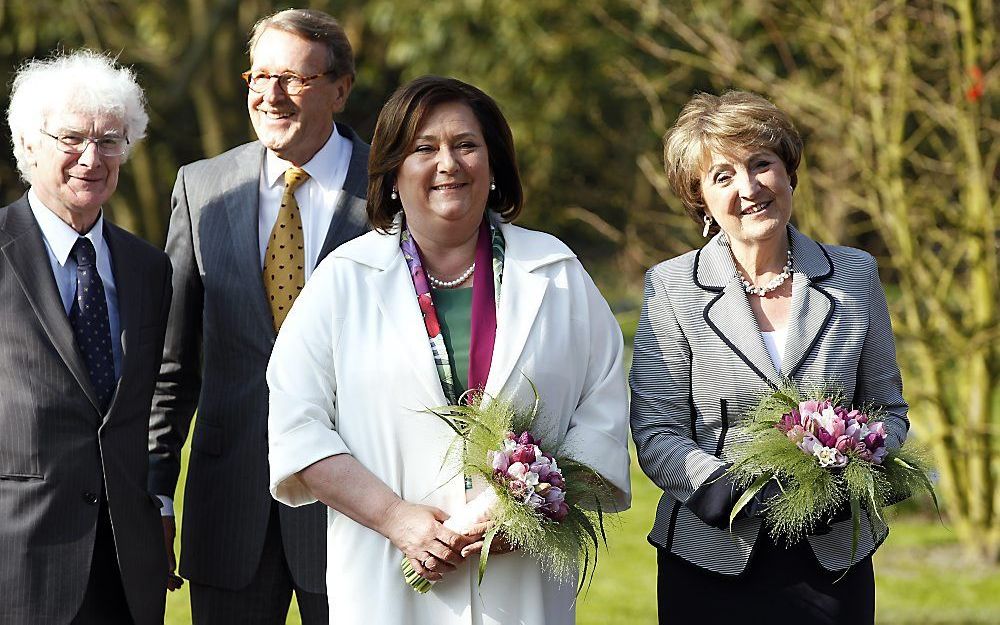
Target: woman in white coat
{"type": "Point", "coordinates": [443, 296]}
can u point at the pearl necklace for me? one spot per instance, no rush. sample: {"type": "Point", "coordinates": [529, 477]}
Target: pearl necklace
{"type": "Point", "coordinates": [450, 284]}
{"type": "Point", "coordinates": [777, 281]}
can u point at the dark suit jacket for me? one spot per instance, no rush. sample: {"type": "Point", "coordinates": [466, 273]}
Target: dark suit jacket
{"type": "Point", "coordinates": [58, 453]}
{"type": "Point", "coordinates": [219, 340]}
{"type": "Point", "coordinates": [700, 363]}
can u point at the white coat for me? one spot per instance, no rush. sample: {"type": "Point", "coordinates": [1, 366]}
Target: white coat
{"type": "Point", "coordinates": [352, 372]}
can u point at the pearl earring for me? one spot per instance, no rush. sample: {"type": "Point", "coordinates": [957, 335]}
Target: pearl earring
{"type": "Point", "coordinates": [493, 185]}
{"type": "Point", "coordinates": [708, 224]}
{"type": "Point", "coordinates": [394, 195]}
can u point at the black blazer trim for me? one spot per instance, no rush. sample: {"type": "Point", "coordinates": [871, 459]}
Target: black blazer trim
{"type": "Point", "coordinates": [819, 335]}
{"type": "Point", "coordinates": [724, 415]}
{"type": "Point", "coordinates": [735, 350]}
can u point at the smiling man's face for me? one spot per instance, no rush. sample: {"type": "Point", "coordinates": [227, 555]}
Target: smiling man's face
{"type": "Point", "coordinates": [296, 126]}
{"type": "Point", "coordinates": [74, 186]}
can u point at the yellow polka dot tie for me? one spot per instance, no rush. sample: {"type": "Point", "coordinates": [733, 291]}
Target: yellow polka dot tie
{"type": "Point", "coordinates": [285, 258]}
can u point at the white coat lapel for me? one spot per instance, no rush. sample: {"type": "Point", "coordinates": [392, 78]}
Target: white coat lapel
{"type": "Point", "coordinates": [521, 297]}
{"type": "Point", "coordinates": [812, 307]}
{"type": "Point", "coordinates": [397, 302]}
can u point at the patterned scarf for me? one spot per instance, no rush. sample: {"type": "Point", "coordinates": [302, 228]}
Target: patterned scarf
{"type": "Point", "coordinates": [489, 247]}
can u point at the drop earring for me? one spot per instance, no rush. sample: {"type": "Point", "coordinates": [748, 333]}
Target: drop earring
{"type": "Point", "coordinates": [708, 224]}
{"type": "Point", "coordinates": [493, 184]}
{"type": "Point", "coordinates": [394, 195]}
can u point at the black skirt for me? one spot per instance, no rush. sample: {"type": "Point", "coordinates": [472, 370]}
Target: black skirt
{"type": "Point", "coordinates": [781, 585]}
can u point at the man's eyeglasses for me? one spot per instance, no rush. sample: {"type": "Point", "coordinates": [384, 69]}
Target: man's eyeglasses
{"type": "Point", "coordinates": [290, 82]}
{"type": "Point", "coordinates": [72, 143]}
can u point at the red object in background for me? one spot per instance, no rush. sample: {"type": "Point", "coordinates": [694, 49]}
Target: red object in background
{"type": "Point", "coordinates": [975, 91]}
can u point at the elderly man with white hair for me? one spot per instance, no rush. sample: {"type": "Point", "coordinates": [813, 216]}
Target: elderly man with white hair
{"type": "Point", "coordinates": [83, 310]}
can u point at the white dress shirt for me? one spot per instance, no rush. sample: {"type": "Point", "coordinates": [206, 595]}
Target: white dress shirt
{"type": "Point", "coordinates": [316, 197]}
{"type": "Point", "coordinates": [59, 240]}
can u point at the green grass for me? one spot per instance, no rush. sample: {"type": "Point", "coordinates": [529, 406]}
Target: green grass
{"type": "Point", "coordinates": [922, 577]}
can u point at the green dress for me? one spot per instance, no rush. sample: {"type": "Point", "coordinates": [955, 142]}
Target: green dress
{"type": "Point", "coordinates": [454, 311]}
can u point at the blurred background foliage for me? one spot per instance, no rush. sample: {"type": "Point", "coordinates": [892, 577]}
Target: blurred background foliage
{"type": "Point", "coordinates": [897, 101]}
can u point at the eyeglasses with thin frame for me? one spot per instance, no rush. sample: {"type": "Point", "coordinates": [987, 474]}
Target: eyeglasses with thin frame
{"type": "Point", "coordinates": [290, 82]}
{"type": "Point", "coordinates": [72, 143]}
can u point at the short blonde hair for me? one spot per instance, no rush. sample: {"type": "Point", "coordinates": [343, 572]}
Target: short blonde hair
{"type": "Point", "coordinates": [733, 123]}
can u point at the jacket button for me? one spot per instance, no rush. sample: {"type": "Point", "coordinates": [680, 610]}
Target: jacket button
{"type": "Point", "coordinates": [90, 498]}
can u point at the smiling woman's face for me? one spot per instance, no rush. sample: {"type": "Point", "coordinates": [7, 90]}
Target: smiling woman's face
{"type": "Point", "coordinates": [74, 186]}
{"type": "Point", "coordinates": [444, 181]}
{"type": "Point", "coordinates": [749, 195]}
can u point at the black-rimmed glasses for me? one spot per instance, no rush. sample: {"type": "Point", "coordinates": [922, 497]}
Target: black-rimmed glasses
{"type": "Point", "coordinates": [290, 82]}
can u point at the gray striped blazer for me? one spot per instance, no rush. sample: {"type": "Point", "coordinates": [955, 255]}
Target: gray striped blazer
{"type": "Point", "coordinates": [700, 363]}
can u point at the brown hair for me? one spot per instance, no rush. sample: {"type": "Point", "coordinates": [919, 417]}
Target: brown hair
{"type": "Point", "coordinates": [733, 123]}
{"type": "Point", "coordinates": [397, 125]}
{"type": "Point", "coordinates": [314, 26]}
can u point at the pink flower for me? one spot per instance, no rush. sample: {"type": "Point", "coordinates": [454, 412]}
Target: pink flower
{"type": "Point", "coordinates": [555, 478]}
{"type": "Point", "coordinates": [526, 439]}
{"type": "Point", "coordinates": [796, 434]}
{"type": "Point", "coordinates": [518, 488]}
{"type": "Point", "coordinates": [524, 453]}
{"type": "Point", "coordinates": [517, 470]}
{"type": "Point", "coordinates": [499, 461]}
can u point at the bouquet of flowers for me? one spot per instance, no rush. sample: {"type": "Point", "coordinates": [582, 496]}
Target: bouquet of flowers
{"type": "Point", "coordinates": [537, 498]}
{"type": "Point", "coordinates": [824, 457]}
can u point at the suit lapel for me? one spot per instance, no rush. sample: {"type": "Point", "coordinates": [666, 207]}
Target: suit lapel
{"type": "Point", "coordinates": [811, 307]}
{"type": "Point", "coordinates": [242, 212]}
{"type": "Point", "coordinates": [350, 217]}
{"type": "Point", "coordinates": [128, 282]}
{"type": "Point", "coordinates": [729, 313]}
{"type": "Point", "coordinates": [521, 296]}
{"type": "Point", "coordinates": [29, 261]}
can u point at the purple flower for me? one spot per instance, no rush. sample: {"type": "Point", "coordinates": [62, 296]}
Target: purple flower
{"type": "Point", "coordinates": [555, 478]}
{"type": "Point", "coordinates": [808, 444]}
{"type": "Point", "coordinates": [542, 467]}
{"type": "Point", "coordinates": [560, 513]}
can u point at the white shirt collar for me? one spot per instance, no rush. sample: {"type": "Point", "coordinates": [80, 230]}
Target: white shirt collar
{"type": "Point", "coordinates": [59, 236]}
{"type": "Point", "coordinates": [322, 167]}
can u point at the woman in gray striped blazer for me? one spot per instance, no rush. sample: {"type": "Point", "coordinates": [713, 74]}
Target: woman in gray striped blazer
{"type": "Point", "coordinates": [722, 326]}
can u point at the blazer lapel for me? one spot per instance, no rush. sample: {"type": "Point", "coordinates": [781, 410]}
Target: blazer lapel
{"type": "Point", "coordinates": [521, 295]}
{"type": "Point", "coordinates": [397, 301]}
{"type": "Point", "coordinates": [729, 314]}
{"type": "Point", "coordinates": [350, 217]}
{"type": "Point", "coordinates": [29, 261]}
{"type": "Point", "coordinates": [811, 307]}
{"type": "Point", "coordinates": [129, 285]}
{"type": "Point", "coordinates": [242, 212]}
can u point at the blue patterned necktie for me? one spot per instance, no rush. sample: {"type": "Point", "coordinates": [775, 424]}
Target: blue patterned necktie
{"type": "Point", "coordinates": [89, 318]}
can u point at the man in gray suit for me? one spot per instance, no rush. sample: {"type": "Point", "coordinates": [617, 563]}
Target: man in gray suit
{"type": "Point", "coordinates": [83, 307]}
{"type": "Point", "coordinates": [246, 231]}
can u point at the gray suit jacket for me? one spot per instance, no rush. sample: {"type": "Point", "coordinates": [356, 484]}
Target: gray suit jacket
{"type": "Point", "coordinates": [700, 363]}
{"type": "Point", "coordinates": [219, 340]}
{"type": "Point", "coordinates": [58, 452]}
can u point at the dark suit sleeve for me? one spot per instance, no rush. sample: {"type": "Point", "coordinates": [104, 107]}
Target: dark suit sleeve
{"type": "Point", "coordinates": [179, 383]}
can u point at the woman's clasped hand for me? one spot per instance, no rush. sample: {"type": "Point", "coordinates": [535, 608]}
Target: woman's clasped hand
{"type": "Point", "coordinates": [419, 532]}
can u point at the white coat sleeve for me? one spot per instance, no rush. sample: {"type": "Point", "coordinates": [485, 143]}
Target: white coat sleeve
{"type": "Point", "coordinates": [598, 429]}
{"type": "Point", "coordinates": [302, 422]}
